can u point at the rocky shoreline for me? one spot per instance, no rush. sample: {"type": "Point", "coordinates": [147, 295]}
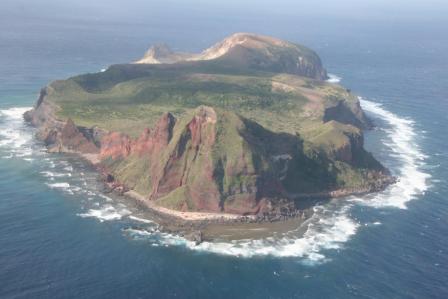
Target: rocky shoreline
{"type": "Point", "coordinates": [202, 226]}
{"type": "Point", "coordinates": [211, 226]}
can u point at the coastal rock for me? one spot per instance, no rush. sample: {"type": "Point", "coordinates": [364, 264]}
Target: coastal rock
{"type": "Point", "coordinates": [74, 139]}
{"type": "Point", "coordinates": [60, 136]}
{"type": "Point", "coordinates": [151, 142]}
{"type": "Point", "coordinates": [347, 113]}
{"type": "Point", "coordinates": [115, 145]}
{"type": "Point", "coordinates": [195, 236]}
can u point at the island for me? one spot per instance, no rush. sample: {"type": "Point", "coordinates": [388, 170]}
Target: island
{"type": "Point", "coordinates": [248, 130]}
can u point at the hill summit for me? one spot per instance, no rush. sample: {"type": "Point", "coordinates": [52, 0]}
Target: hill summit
{"type": "Point", "coordinates": [251, 50]}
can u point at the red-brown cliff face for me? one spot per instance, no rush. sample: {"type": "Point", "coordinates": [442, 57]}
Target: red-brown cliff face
{"type": "Point", "coordinates": [115, 145]}
{"type": "Point", "coordinates": [189, 164]}
{"type": "Point", "coordinates": [204, 163]}
{"type": "Point", "coordinates": [154, 141]}
{"type": "Point", "coordinates": [150, 143]}
{"type": "Point", "coordinates": [70, 138]}
{"type": "Point", "coordinates": [73, 139]}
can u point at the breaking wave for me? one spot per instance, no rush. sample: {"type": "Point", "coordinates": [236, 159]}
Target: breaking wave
{"type": "Point", "coordinates": [401, 144]}
{"type": "Point", "coordinates": [332, 78]}
{"type": "Point", "coordinates": [139, 219]}
{"type": "Point", "coordinates": [327, 229]}
{"type": "Point", "coordinates": [15, 136]}
{"type": "Point", "coordinates": [106, 213]}
{"type": "Point", "coordinates": [59, 185]}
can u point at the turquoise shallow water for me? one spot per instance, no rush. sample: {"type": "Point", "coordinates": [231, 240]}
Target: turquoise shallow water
{"type": "Point", "coordinates": [60, 237]}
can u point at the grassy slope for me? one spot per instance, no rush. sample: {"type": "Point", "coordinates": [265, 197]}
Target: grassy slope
{"type": "Point", "coordinates": [290, 104]}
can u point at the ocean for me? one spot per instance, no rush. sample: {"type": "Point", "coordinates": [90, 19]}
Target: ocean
{"type": "Point", "coordinates": [61, 237]}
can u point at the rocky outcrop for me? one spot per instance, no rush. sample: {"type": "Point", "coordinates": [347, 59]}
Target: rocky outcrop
{"type": "Point", "coordinates": [43, 116]}
{"type": "Point", "coordinates": [61, 136]}
{"type": "Point", "coordinates": [349, 148]}
{"type": "Point", "coordinates": [349, 113]}
{"type": "Point", "coordinates": [71, 139]}
{"type": "Point", "coordinates": [115, 145]}
{"type": "Point", "coordinates": [150, 143]}
{"type": "Point", "coordinates": [161, 53]}
{"type": "Point", "coordinates": [189, 165]}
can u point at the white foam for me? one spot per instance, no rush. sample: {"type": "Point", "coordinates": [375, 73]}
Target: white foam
{"type": "Point", "coordinates": [55, 174]}
{"type": "Point", "coordinates": [15, 137]}
{"type": "Point", "coordinates": [106, 213]}
{"type": "Point", "coordinates": [140, 219]}
{"type": "Point", "coordinates": [327, 229]}
{"type": "Point", "coordinates": [107, 198]}
{"type": "Point", "coordinates": [372, 223]}
{"type": "Point", "coordinates": [332, 78]}
{"type": "Point", "coordinates": [76, 189]}
{"type": "Point", "coordinates": [59, 185]}
{"type": "Point", "coordinates": [412, 181]}
{"type": "Point", "coordinates": [15, 112]}
{"type": "Point", "coordinates": [138, 232]}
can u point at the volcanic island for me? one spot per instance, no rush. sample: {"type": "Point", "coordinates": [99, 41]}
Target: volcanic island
{"type": "Point", "coordinates": [245, 136]}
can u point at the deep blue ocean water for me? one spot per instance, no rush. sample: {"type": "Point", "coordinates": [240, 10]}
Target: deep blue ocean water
{"type": "Point", "coordinates": [60, 237]}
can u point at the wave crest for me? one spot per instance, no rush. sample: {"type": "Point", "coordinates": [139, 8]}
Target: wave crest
{"type": "Point", "coordinates": [15, 136]}
{"type": "Point", "coordinates": [412, 181]}
{"type": "Point", "coordinates": [332, 78]}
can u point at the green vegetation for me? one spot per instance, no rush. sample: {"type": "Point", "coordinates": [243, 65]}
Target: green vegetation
{"type": "Point", "coordinates": [278, 102]}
